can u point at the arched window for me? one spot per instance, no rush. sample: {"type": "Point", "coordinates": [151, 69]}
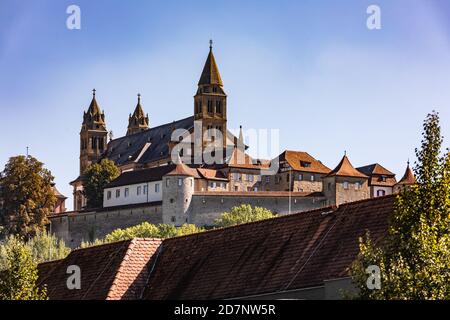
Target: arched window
{"type": "Point", "coordinates": [381, 193]}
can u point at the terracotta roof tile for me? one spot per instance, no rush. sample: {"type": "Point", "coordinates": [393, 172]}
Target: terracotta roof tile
{"type": "Point", "coordinates": [285, 253]}
{"type": "Point", "coordinates": [110, 271]}
{"type": "Point", "coordinates": [408, 178]}
{"type": "Point", "coordinates": [346, 169]}
{"type": "Point", "coordinates": [303, 161]}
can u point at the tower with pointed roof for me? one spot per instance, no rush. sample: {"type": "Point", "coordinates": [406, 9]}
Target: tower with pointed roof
{"type": "Point", "coordinates": [138, 121]}
{"type": "Point", "coordinates": [406, 181]}
{"type": "Point", "coordinates": [345, 184]}
{"type": "Point", "coordinates": [93, 135]}
{"type": "Point", "coordinates": [210, 103]}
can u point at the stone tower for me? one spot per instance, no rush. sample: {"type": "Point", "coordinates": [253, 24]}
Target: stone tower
{"type": "Point", "coordinates": [138, 121]}
{"type": "Point", "coordinates": [177, 191]}
{"type": "Point", "coordinates": [345, 184]}
{"type": "Point", "coordinates": [210, 103]}
{"type": "Point", "coordinates": [93, 135]}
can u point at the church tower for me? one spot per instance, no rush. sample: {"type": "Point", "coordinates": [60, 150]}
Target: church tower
{"type": "Point", "coordinates": [210, 102]}
{"type": "Point", "coordinates": [138, 121]}
{"type": "Point", "coordinates": [93, 135]}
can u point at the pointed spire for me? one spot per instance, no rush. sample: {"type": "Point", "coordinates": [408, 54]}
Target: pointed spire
{"type": "Point", "coordinates": [241, 134]}
{"type": "Point", "coordinates": [138, 121]}
{"type": "Point", "coordinates": [210, 74]}
{"type": "Point", "coordinates": [181, 169]}
{"type": "Point", "coordinates": [94, 108]}
{"type": "Point", "coordinates": [408, 178]}
{"type": "Point", "coordinates": [346, 169]}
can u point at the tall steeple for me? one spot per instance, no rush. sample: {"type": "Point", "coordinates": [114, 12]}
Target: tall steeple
{"type": "Point", "coordinates": [138, 121]}
{"type": "Point", "coordinates": [93, 134]}
{"type": "Point", "coordinates": [210, 103]}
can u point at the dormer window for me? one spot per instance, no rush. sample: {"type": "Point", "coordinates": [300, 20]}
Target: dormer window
{"type": "Point", "coordinates": [305, 164]}
{"type": "Point", "coordinates": [383, 178]}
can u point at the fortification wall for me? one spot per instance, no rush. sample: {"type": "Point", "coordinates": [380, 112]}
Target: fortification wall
{"type": "Point", "coordinates": [205, 209]}
{"type": "Point", "coordinates": [88, 226]}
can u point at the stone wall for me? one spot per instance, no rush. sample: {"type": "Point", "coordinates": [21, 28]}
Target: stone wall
{"type": "Point", "coordinates": [76, 227]}
{"type": "Point", "coordinates": [207, 208]}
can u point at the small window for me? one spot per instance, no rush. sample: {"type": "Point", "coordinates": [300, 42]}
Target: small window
{"type": "Point", "coordinates": [305, 164]}
{"type": "Point", "coordinates": [210, 106]}
{"type": "Point", "coordinates": [138, 190]}
{"type": "Point", "coordinates": [383, 178]}
{"type": "Point", "coordinates": [357, 185]}
{"type": "Point", "coordinates": [127, 192]}
{"type": "Point", "coordinates": [167, 182]}
{"type": "Point", "coordinates": [255, 189]}
{"type": "Point", "coordinates": [250, 177]}
{"type": "Point", "coordinates": [268, 179]}
{"type": "Point", "coordinates": [108, 195]}
{"type": "Point", "coordinates": [313, 178]}
{"type": "Point", "coordinates": [236, 188]}
{"type": "Point", "coordinates": [346, 185]}
{"type": "Point", "coordinates": [173, 219]}
{"type": "Point", "coordinates": [145, 189]}
{"type": "Point", "coordinates": [381, 193]}
{"type": "Point", "coordinates": [117, 193]}
{"type": "Point", "coordinates": [300, 177]}
{"type": "Point", "coordinates": [180, 182]}
{"type": "Point", "coordinates": [157, 188]}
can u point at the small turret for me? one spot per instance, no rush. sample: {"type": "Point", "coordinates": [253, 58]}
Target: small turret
{"type": "Point", "coordinates": [178, 188]}
{"type": "Point", "coordinates": [406, 181]}
{"type": "Point", "coordinates": [138, 121]}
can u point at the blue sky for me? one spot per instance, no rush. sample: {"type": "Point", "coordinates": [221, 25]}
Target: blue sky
{"type": "Point", "coordinates": [309, 68]}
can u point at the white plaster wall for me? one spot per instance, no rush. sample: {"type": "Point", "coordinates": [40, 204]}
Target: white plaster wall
{"type": "Point", "coordinates": [133, 197]}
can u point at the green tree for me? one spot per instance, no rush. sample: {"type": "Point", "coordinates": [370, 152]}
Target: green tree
{"type": "Point", "coordinates": [18, 281]}
{"type": "Point", "coordinates": [146, 230]}
{"type": "Point", "coordinates": [414, 257]}
{"type": "Point", "coordinates": [95, 178]}
{"type": "Point", "coordinates": [27, 194]}
{"type": "Point", "coordinates": [43, 247]}
{"type": "Point", "coordinates": [243, 214]}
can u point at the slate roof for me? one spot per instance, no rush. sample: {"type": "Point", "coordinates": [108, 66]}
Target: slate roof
{"type": "Point", "coordinates": [285, 253]}
{"type": "Point", "coordinates": [146, 146]}
{"type": "Point", "coordinates": [376, 172]}
{"type": "Point", "coordinates": [111, 271]}
{"type": "Point", "coordinates": [141, 176]}
{"type": "Point", "coordinates": [375, 168]}
{"type": "Point", "coordinates": [298, 159]}
{"type": "Point", "coordinates": [346, 169]}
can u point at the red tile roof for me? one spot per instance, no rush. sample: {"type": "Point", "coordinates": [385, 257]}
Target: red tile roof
{"type": "Point", "coordinates": [285, 253]}
{"type": "Point", "coordinates": [111, 271]}
{"type": "Point", "coordinates": [297, 158]}
{"type": "Point", "coordinates": [408, 178]}
{"type": "Point", "coordinates": [346, 169]}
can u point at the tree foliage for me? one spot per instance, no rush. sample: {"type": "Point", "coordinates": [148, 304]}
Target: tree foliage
{"type": "Point", "coordinates": [243, 214]}
{"type": "Point", "coordinates": [146, 230]}
{"type": "Point", "coordinates": [27, 194]}
{"type": "Point", "coordinates": [95, 178]}
{"type": "Point", "coordinates": [414, 258]}
{"type": "Point", "coordinates": [43, 247]}
{"type": "Point", "coordinates": [18, 280]}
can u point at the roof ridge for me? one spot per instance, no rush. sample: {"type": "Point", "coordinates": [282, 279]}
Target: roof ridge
{"type": "Point", "coordinates": [149, 129]}
{"type": "Point", "coordinates": [329, 208]}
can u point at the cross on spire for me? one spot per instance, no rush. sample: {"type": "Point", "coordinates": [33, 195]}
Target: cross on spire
{"type": "Point", "coordinates": [210, 44]}
{"type": "Point", "coordinates": [139, 97]}
{"type": "Point", "coordinates": [93, 92]}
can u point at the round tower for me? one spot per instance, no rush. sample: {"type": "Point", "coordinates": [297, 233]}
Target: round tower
{"type": "Point", "coordinates": [177, 191]}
